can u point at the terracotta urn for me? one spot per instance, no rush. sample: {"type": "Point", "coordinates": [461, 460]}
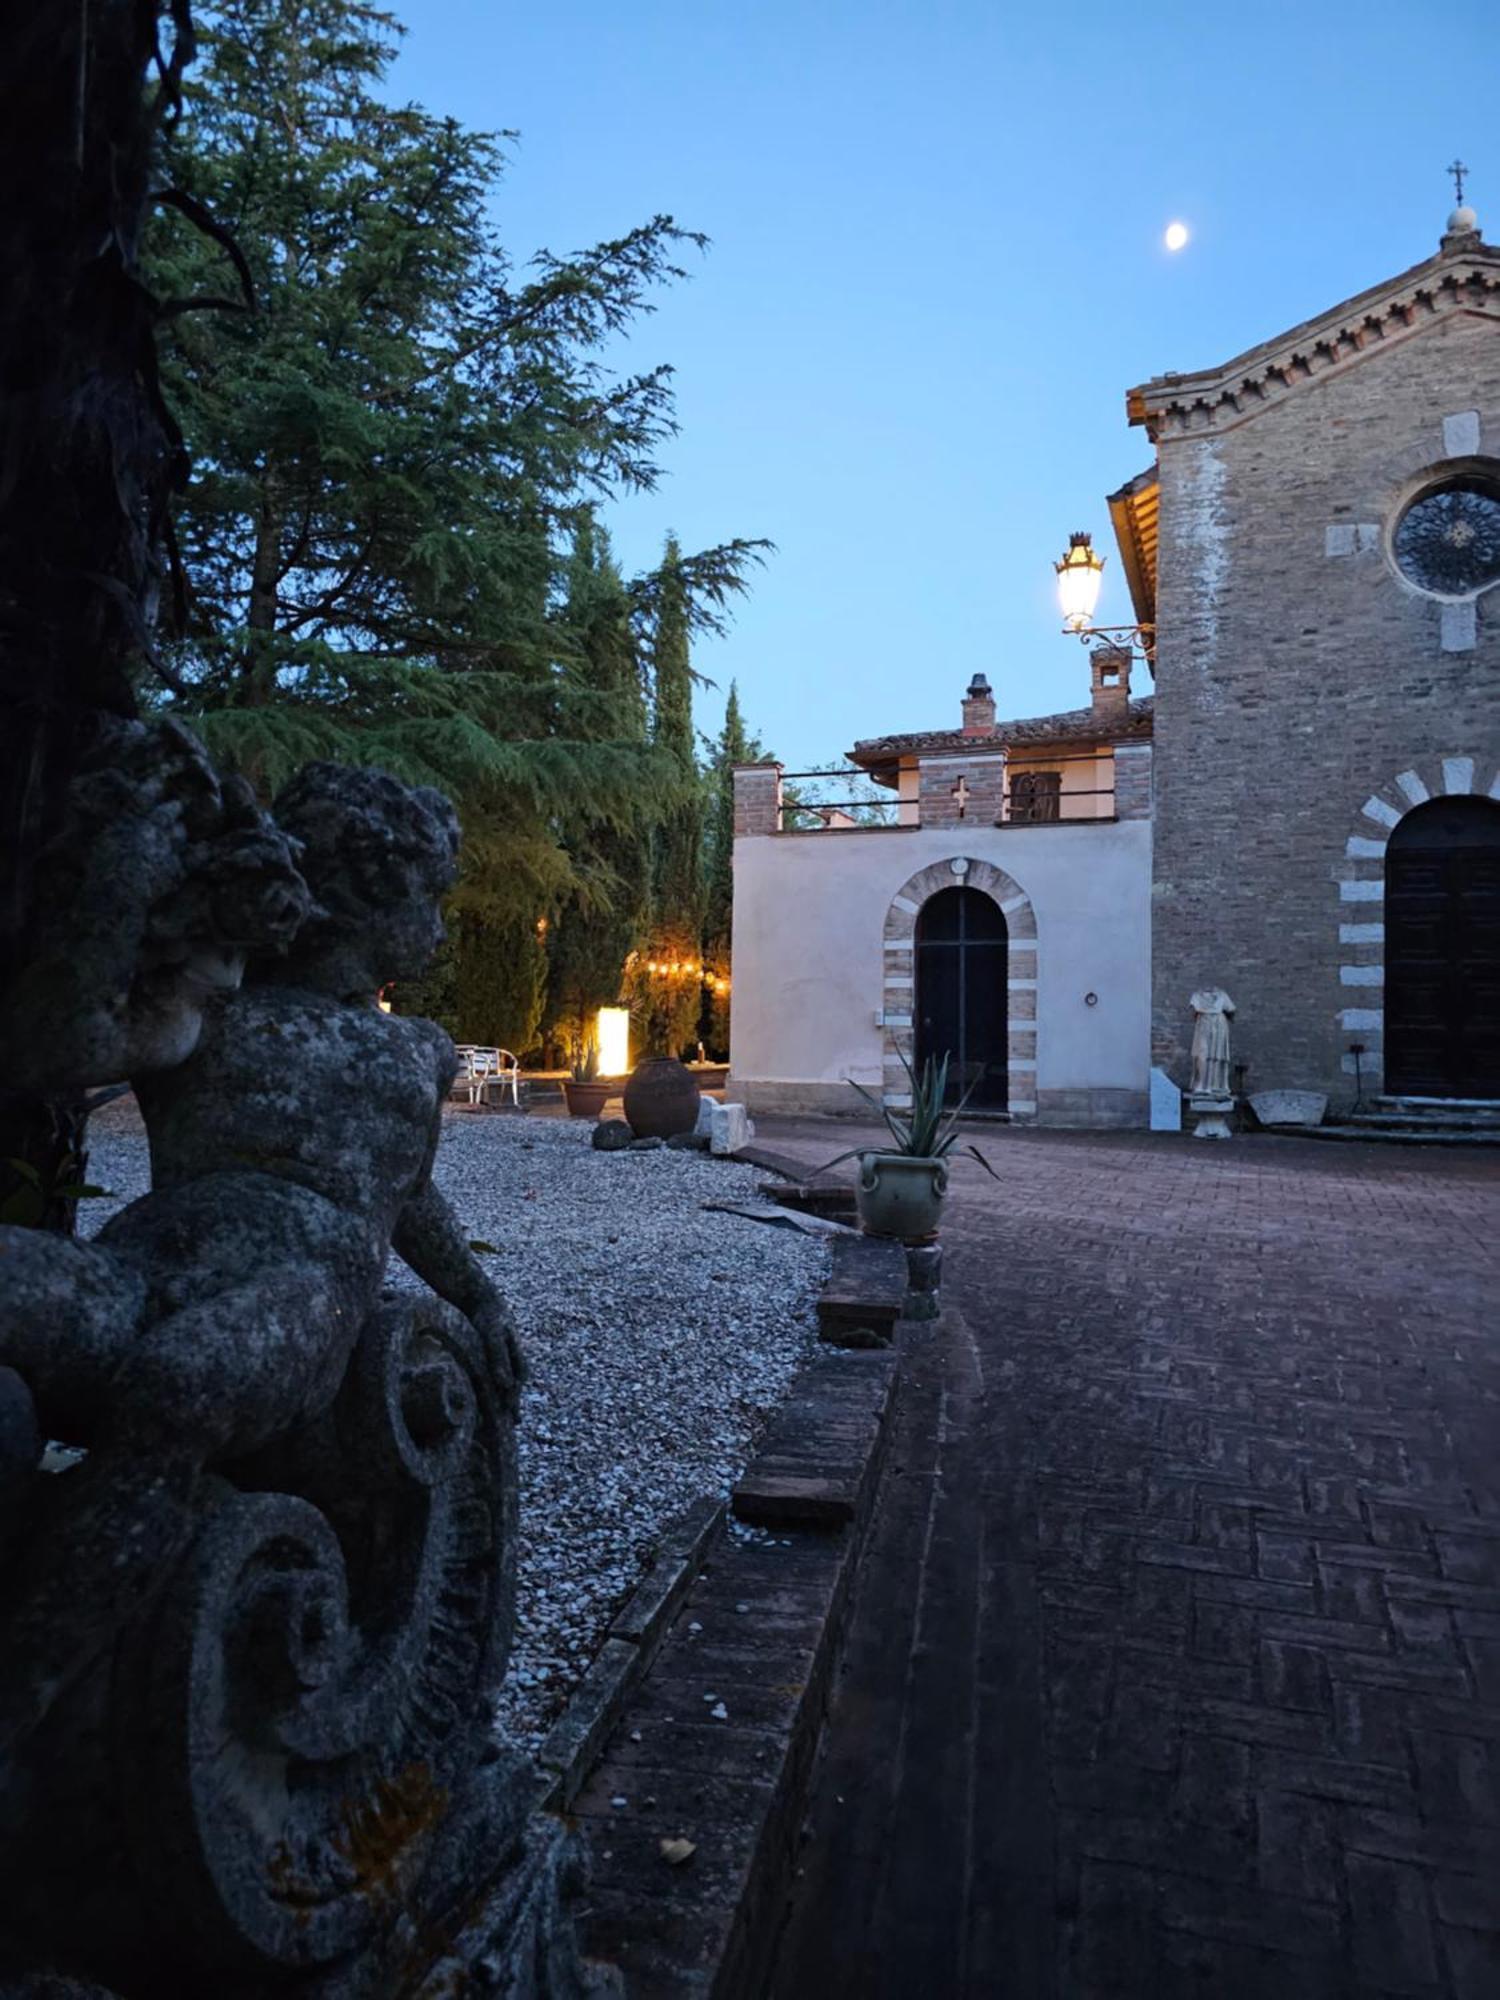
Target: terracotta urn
{"type": "Point", "coordinates": [661, 1098]}
{"type": "Point", "coordinates": [587, 1100]}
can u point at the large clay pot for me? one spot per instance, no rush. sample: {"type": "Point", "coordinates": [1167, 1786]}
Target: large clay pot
{"type": "Point", "coordinates": [900, 1195]}
{"type": "Point", "coordinates": [661, 1098]}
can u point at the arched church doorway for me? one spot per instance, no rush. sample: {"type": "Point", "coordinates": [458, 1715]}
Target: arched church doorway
{"type": "Point", "coordinates": [960, 995]}
{"type": "Point", "coordinates": [1442, 951]}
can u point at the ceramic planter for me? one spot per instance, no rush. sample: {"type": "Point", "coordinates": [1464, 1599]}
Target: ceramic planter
{"type": "Point", "coordinates": [900, 1195]}
{"type": "Point", "coordinates": [661, 1098]}
{"type": "Point", "coordinates": [587, 1100]}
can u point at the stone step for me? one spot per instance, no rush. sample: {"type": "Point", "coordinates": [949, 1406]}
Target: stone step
{"type": "Point", "coordinates": [1375, 1132]}
{"type": "Point", "coordinates": [1449, 1114]}
{"type": "Point", "coordinates": [1425, 1121]}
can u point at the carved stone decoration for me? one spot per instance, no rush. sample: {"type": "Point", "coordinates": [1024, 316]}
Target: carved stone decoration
{"type": "Point", "coordinates": [255, 1623]}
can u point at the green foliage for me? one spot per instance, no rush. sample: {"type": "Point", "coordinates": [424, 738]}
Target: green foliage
{"type": "Point", "coordinates": [928, 1130]}
{"type": "Point", "coordinates": [388, 547]}
{"type": "Point", "coordinates": [734, 745]}
{"type": "Point", "coordinates": [601, 922]}
{"type": "Point", "coordinates": [500, 975]}
{"type": "Point", "coordinates": [34, 1197]}
{"type": "Point", "coordinates": [585, 1065]}
{"type": "Point", "coordinates": [667, 1005]}
{"type": "Point", "coordinates": [394, 452]}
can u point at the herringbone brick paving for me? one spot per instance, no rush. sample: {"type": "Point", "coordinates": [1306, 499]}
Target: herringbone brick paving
{"type": "Point", "coordinates": [1175, 1667]}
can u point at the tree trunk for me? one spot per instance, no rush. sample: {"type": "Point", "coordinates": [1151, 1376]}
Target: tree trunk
{"type": "Point", "coordinates": [89, 451]}
{"type": "Point", "coordinates": [264, 576]}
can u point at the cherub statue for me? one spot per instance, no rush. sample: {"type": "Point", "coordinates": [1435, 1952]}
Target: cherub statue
{"type": "Point", "coordinates": [292, 1125]}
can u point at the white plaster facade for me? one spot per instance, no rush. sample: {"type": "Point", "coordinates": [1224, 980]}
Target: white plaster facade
{"type": "Point", "coordinates": [812, 943]}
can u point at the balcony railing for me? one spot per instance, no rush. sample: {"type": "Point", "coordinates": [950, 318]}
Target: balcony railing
{"type": "Point", "coordinates": [1035, 794]}
{"type": "Point", "coordinates": [846, 815]}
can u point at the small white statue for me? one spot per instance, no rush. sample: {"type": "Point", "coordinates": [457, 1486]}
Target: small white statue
{"type": "Point", "coordinates": [1213, 1010]}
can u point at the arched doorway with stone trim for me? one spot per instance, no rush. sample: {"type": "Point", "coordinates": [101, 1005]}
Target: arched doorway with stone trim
{"type": "Point", "coordinates": [1442, 951]}
{"type": "Point", "coordinates": [1419, 933]}
{"type": "Point", "coordinates": [959, 993]}
{"type": "Point", "coordinates": [1021, 949]}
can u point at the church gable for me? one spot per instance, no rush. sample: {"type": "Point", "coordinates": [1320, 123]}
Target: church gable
{"type": "Point", "coordinates": [1462, 280]}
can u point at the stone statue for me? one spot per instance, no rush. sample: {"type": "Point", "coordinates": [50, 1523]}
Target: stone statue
{"type": "Point", "coordinates": [252, 1640]}
{"type": "Point", "coordinates": [1213, 1010]}
{"type": "Point", "coordinates": [1210, 1095]}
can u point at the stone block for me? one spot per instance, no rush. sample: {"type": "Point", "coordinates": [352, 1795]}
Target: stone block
{"type": "Point", "coordinates": [865, 1291]}
{"type": "Point", "coordinates": [1166, 1103]}
{"type": "Point", "coordinates": [1289, 1107]}
{"type": "Point", "coordinates": [728, 1128]}
{"type": "Point", "coordinates": [1212, 1115]}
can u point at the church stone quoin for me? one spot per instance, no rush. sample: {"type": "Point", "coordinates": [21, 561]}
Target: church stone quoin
{"type": "Point", "coordinates": [1319, 674]}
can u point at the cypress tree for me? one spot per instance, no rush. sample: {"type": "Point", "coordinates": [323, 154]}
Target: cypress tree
{"type": "Point", "coordinates": [668, 986]}
{"type": "Point", "coordinates": [734, 746]}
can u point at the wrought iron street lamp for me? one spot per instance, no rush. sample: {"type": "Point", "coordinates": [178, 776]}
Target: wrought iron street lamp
{"type": "Point", "coordinates": [1079, 576]}
{"type": "Point", "coordinates": [1080, 571]}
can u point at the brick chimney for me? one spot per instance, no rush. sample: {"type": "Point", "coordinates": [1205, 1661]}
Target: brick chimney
{"type": "Point", "coordinates": [979, 708]}
{"type": "Point", "coordinates": [1110, 682]}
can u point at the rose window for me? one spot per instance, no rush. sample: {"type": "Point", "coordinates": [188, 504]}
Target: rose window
{"type": "Point", "coordinates": [1448, 540]}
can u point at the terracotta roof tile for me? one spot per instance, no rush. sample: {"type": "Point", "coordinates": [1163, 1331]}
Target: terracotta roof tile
{"type": "Point", "coordinates": [1074, 725]}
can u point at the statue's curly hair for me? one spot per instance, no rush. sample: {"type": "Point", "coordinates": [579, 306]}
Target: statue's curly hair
{"type": "Point", "coordinates": [361, 831]}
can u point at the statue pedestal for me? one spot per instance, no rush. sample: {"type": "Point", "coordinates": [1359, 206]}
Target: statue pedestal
{"type": "Point", "coordinates": [1212, 1115]}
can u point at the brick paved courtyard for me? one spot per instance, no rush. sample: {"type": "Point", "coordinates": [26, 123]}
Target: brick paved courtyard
{"type": "Point", "coordinates": [1175, 1667]}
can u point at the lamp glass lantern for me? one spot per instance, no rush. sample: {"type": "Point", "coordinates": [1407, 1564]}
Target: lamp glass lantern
{"type": "Point", "coordinates": [1079, 575]}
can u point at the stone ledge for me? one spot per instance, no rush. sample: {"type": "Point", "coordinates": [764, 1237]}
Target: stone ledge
{"type": "Point", "coordinates": [864, 1293]}
{"type": "Point", "coordinates": [576, 1738]}
{"type": "Point", "coordinates": [815, 1461]}
{"type": "Point", "coordinates": [716, 1746]}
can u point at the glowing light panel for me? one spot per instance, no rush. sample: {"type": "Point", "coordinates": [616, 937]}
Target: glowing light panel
{"type": "Point", "coordinates": [612, 1033]}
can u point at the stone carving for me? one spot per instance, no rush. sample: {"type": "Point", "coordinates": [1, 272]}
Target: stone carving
{"type": "Point", "coordinates": [253, 1637]}
{"type": "Point", "coordinates": [1289, 1107]}
{"type": "Point", "coordinates": [1213, 1010]}
{"type": "Point", "coordinates": [1209, 1094]}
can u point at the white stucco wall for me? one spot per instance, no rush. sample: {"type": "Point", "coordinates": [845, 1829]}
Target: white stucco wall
{"type": "Point", "coordinates": [809, 917]}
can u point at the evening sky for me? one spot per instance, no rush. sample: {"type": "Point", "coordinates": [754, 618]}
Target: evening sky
{"type": "Point", "coordinates": [937, 265]}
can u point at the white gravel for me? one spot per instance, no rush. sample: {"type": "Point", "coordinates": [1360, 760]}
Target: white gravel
{"type": "Point", "coordinates": [657, 1336]}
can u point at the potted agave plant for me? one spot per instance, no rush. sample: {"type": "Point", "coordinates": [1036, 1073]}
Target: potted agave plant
{"type": "Point", "coordinates": [901, 1187]}
{"type": "Point", "coordinates": [586, 1092]}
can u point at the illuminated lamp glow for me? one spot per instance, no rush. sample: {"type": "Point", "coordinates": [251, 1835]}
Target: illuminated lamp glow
{"type": "Point", "coordinates": [1079, 575]}
{"type": "Point", "coordinates": [612, 1037]}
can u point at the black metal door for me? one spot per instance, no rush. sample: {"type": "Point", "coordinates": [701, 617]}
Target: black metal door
{"type": "Point", "coordinates": [961, 994]}
{"type": "Point", "coordinates": [1442, 951]}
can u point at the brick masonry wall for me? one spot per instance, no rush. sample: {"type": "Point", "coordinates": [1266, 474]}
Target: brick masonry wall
{"type": "Point", "coordinates": [1132, 781]}
{"type": "Point", "coordinates": [757, 799]}
{"type": "Point", "coordinates": [1298, 677]}
{"type": "Point", "coordinates": [984, 786]}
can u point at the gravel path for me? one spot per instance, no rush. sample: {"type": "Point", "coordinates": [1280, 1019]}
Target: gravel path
{"type": "Point", "coordinates": [657, 1336]}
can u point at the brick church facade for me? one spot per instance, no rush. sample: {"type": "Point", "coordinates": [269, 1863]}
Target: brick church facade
{"type": "Point", "coordinates": [1305, 814]}
{"type": "Point", "coordinates": [1323, 679]}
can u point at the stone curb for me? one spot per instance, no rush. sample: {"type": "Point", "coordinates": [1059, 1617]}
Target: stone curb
{"type": "Point", "coordinates": [636, 1631]}
{"type": "Point", "coordinates": [865, 1292]}
{"type": "Point", "coordinates": [716, 1745]}
{"type": "Point", "coordinates": [781, 1164]}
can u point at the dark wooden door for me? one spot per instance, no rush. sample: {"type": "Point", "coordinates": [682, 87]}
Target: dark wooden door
{"type": "Point", "coordinates": [1442, 951]}
{"type": "Point", "coordinates": [961, 994]}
